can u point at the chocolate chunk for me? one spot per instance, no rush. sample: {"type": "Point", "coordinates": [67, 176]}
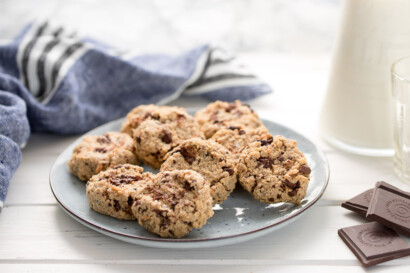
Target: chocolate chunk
{"type": "Point", "coordinates": [155, 116]}
{"type": "Point", "coordinates": [130, 201]}
{"type": "Point", "coordinates": [265, 142]}
{"type": "Point", "coordinates": [100, 150]}
{"type": "Point", "coordinates": [189, 157]}
{"type": "Point", "coordinates": [266, 162]}
{"type": "Point", "coordinates": [293, 192]}
{"type": "Point", "coordinates": [117, 205]}
{"type": "Point", "coordinates": [166, 138]}
{"type": "Point", "coordinates": [291, 185]}
{"type": "Point", "coordinates": [138, 139]}
{"type": "Point", "coordinates": [280, 158]}
{"type": "Point", "coordinates": [304, 169]}
{"type": "Point", "coordinates": [123, 179]}
{"type": "Point", "coordinates": [188, 186]}
{"type": "Point", "coordinates": [229, 170]}
{"type": "Point", "coordinates": [359, 203]}
{"type": "Point", "coordinates": [165, 222]}
{"type": "Point", "coordinates": [390, 206]}
{"type": "Point", "coordinates": [230, 107]}
{"type": "Point", "coordinates": [173, 204]}
{"type": "Point", "coordinates": [279, 196]}
{"type": "Point", "coordinates": [181, 117]}
{"type": "Point", "coordinates": [372, 243]}
{"type": "Point", "coordinates": [242, 132]}
{"type": "Point", "coordinates": [271, 199]}
{"type": "Point", "coordinates": [233, 128]}
{"type": "Point", "coordinates": [147, 115]}
{"type": "Point", "coordinates": [104, 139]}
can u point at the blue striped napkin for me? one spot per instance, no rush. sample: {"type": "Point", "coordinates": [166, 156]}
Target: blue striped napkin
{"type": "Point", "coordinates": [53, 80]}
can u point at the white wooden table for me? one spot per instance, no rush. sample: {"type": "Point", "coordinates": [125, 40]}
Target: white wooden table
{"type": "Point", "coordinates": [37, 236]}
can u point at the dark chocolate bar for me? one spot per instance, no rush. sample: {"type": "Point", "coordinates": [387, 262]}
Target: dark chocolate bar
{"type": "Point", "coordinates": [390, 207]}
{"type": "Point", "coordinates": [373, 243]}
{"type": "Point", "coordinates": [359, 203]}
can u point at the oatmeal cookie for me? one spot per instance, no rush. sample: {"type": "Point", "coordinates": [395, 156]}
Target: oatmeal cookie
{"type": "Point", "coordinates": [145, 112]}
{"type": "Point", "coordinates": [274, 170]}
{"type": "Point", "coordinates": [97, 153]}
{"type": "Point", "coordinates": [208, 158]}
{"type": "Point", "coordinates": [220, 114]}
{"type": "Point", "coordinates": [174, 203]}
{"type": "Point", "coordinates": [112, 192]}
{"type": "Point", "coordinates": [154, 139]}
{"type": "Point", "coordinates": [236, 138]}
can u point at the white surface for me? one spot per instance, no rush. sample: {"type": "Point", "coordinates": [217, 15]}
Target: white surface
{"type": "Point", "coordinates": [37, 236]}
{"type": "Point", "coordinates": [307, 26]}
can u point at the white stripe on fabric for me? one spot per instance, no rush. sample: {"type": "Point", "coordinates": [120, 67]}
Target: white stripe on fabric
{"type": "Point", "coordinates": [32, 63]}
{"type": "Point", "coordinates": [194, 77]}
{"type": "Point", "coordinates": [220, 54]}
{"type": "Point", "coordinates": [23, 44]}
{"type": "Point", "coordinates": [65, 67]}
{"type": "Point", "coordinates": [35, 53]}
{"type": "Point", "coordinates": [222, 84]}
{"type": "Point", "coordinates": [226, 68]}
{"type": "Point", "coordinates": [54, 54]}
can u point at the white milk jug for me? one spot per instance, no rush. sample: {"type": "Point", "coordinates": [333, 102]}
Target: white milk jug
{"type": "Point", "coordinates": [357, 113]}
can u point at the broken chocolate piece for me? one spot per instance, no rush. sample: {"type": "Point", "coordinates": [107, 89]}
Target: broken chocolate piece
{"type": "Point", "coordinates": [233, 128]}
{"type": "Point", "coordinates": [266, 162]}
{"type": "Point", "coordinates": [117, 205]}
{"type": "Point", "coordinates": [359, 203]}
{"type": "Point", "coordinates": [123, 179]}
{"type": "Point", "coordinates": [228, 170]}
{"type": "Point", "coordinates": [265, 142]}
{"type": "Point", "coordinates": [105, 139]}
{"type": "Point", "coordinates": [372, 243]}
{"type": "Point", "coordinates": [291, 185]}
{"type": "Point", "coordinates": [390, 206]}
{"type": "Point", "coordinates": [304, 169]}
{"type": "Point", "coordinates": [100, 150]}
{"type": "Point", "coordinates": [166, 138]}
{"type": "Point", "coordinates": [230, 107]}
{"type": "Point", "coordinates": [190, 158]}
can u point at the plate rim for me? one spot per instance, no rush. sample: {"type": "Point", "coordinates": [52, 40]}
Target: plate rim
{"type": "Point", "coordinates": [187, 241]}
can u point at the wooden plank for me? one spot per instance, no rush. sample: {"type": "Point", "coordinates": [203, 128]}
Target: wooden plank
{"type": "Point", "coordinates": [132, 268]}
{"type": "Point", "coordinates": [46, 234]}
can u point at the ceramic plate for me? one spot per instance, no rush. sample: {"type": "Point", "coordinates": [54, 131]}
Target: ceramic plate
{"type": "Point", "coordinates": [238, 219]}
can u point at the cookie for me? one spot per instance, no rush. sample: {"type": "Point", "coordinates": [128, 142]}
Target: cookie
{"type": "Point", "coordinates": [143, 112]}
{"type": "Point", "coordinates": [208, 158]}
{"type": "Point", "coordinates": [273, 170]}
{"type": "Point", "coordinates": [111, 192]}
{"type": "Point", "coordinates": [97, 153]}
{"type": "Point", "coordinates": [154, 138]}
{"type": "Point", "coordinates": [236, 138]}
{"type": "Point", "coordinates": [174, 203]}
{"type": "Point", "coordinates": [220, 114]}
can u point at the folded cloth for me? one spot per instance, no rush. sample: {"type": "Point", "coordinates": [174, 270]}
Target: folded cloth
{"type": "Point", "coordinates": [71, 84]}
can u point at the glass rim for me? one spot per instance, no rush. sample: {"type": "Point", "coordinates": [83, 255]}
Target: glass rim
{"type": "Point", "coordinates": [395, 73]}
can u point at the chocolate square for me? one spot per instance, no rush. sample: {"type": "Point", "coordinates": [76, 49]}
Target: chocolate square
{"type": "Point", "coordinates": [373, 243]}
{"type": "Point", "coordinates": [359, 203]}
{"type": "Point", "coordinates": [391, 207]}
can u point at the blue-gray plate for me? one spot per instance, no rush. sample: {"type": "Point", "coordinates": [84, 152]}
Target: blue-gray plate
{"type": "Point", "coordinates": [238, 219]}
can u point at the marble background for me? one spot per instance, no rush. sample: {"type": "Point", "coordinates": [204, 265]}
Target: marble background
{"type": "Point", "coordinates": [298, 26]}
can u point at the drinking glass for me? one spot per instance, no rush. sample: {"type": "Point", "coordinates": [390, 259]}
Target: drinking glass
{"type": "Point", "coordinates": [400, 75]}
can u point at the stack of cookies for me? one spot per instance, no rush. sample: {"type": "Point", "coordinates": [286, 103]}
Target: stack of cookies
{"type": "Point", "coordinates": [200, 159]}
